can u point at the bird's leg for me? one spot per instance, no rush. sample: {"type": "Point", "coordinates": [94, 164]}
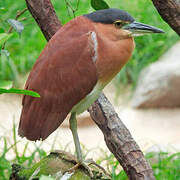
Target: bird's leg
{"type": "Point", "coordinates": [73, 127]}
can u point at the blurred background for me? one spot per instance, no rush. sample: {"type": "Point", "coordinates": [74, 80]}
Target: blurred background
{"type": "Point", "coordinates": [145, 93]}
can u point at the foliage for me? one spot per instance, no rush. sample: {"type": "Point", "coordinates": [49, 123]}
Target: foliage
{"type": "Point", "coordinates": [4, 37]}
{"type": "Point", "coordinates": [165, 165]}
{"type": "Point", "coordinates": [18, 26]}
{"type": "Point", "coordinates": [21, 48]}
{"type": "Point", "coordinates": [99, 4]}
{"type": "Point", "coordinates": [6, 63]}
{"type": "Point", "coordinates": [19, 91]}
{"type": "Point", "coordinates": [21, 157]}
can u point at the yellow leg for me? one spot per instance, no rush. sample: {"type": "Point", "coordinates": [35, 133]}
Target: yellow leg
{"type": "Point", "coordinates": [73, 127]}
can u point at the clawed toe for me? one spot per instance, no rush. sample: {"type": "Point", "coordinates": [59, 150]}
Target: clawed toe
{"type": "Point", "coordinates": [81, 165]}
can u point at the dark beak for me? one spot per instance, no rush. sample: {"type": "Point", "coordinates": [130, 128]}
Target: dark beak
{"type": "Point", "coordinates": [138, 29]}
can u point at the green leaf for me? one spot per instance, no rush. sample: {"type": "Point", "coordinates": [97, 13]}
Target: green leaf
{"type": "Point", "coordinates": [99, 4]}
{"type": "Point", "coordinates": [18, 26]}
{"type": "Point", "coordinates": [6, 84]}
{"type": "Point", "coordinates": [4, 37]}
{"type": "Point", "coordinates": [19, 91]}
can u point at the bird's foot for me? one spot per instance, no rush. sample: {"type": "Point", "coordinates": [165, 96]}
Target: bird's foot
{"type": "Point", "coordinates": [97, 168]}
{"type": "Point", "coordinates": [91, 167]}
{"type": "Point", "coordinates": [84, 165]}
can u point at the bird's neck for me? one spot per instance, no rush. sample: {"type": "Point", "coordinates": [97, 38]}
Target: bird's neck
{"type": "Point", "coordinates": [113, 54]}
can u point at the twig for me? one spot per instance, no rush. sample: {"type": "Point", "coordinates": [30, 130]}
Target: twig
{"type": "Point", "coordinates": [72, 9]}
{"type": "Point", "coordinates": [19, 13]}
{"type": "Point", "coordinates": [23, 19]}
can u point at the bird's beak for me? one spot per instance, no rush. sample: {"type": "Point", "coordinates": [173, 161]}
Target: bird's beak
{"type": "Point", "coordinates": [139, 29]}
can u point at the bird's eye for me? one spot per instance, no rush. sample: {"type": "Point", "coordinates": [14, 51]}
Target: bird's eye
{"type": "Point", "coordinates": [119, 24]}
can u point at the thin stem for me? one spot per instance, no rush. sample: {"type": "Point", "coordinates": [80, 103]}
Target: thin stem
{"type": "Point", "coordinates": [68, 5]}
{"type": "Point", "coordinates": [19, 13]}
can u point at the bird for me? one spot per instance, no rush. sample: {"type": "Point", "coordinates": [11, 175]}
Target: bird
{"type": "Point", "coordinates": [76, 64]}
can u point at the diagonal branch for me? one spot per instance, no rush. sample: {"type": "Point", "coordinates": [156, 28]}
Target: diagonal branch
{"type": "Point", "coordinates": [45, 16]}
{"type": "Point", "coordinates": [117, 136]}
{"type": "Point", "coordinates": [119, 140]}
{"type": "Point", "coordinates": [170, 12]}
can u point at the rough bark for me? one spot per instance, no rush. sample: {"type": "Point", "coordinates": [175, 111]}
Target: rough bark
{"type": "Point", "coordinates": [45, 16]}
{"type": "Point", "coordinates": [117, 137]}
{"type": "Point", "coordinates": [170, 12]}
{"type": "Point", "coordinates": [120, 141]}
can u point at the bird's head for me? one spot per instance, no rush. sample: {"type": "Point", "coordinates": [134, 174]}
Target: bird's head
{"type": "Point", "coordinates": [120, 24]}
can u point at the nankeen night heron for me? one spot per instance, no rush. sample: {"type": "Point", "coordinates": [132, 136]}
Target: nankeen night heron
{"type": "Point", "coordinates": [74, 67]}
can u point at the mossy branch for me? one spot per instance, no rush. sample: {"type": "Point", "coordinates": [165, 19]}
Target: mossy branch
{"type": "Point", "coordinates": [56, 165]}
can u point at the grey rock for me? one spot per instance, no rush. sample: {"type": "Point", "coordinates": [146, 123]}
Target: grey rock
{"type": "Point", "coordinates": [159, 83]}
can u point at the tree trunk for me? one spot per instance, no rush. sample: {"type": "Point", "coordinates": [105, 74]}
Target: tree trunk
{"type": "Point", "coordinates": [117, 136]}
{"type": "Point", "coordinates": [170, 12]}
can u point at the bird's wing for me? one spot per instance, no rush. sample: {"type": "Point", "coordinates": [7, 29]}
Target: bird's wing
{"type": "Point", "coordinates": [63, 75]}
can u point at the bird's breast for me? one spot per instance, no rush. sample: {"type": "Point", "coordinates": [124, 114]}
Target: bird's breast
{"type": "Point", "coordinates": [112, 56]}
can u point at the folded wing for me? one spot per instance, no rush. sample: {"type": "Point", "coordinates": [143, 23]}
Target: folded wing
{"type": "Point", "coordinates": [63, 75]}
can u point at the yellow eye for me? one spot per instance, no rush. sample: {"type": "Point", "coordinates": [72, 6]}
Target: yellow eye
{"type": "Point", "coordinates": [119, 24]}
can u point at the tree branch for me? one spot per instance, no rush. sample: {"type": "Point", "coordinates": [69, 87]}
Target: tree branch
{"type": "Point", "coordinates": [120, 141]}
{"type": "Point", "coordinates": [117, 137]}
{"type": "Point", "coordinates": [45, 16]}
{"type": "Point", "coordinates": [170, 12]}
